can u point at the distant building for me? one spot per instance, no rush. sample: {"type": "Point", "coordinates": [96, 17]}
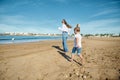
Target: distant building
{"type": "Point", "coordinates": [115, 35]}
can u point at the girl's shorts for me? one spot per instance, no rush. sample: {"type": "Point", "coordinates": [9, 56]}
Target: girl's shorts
{"type": "Point", "coordinates": [76, 49]}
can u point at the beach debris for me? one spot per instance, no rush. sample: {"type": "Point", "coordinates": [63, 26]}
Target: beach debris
{"type": "Point", "coordinates": [84, 77]}
{"type": "Point", "coordinates": [90, 76]}
{"type": "Point", "coordinates": [106, 79]}
{"type": "Point", "coordinates": [77, 73]}
{"type": "Point", "coordinates": [66, 75]}
{"type": "Point", "coordinates": [70, 74]}
{"type": "Point", "coordinates": [13, 39]}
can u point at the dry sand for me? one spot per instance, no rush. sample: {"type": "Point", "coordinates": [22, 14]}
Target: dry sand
{"type": "Point", "coordinates": [45, 60]}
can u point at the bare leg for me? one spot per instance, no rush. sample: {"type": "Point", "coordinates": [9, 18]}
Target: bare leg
{"type": "Point", "coordinates": [82, 59]}
{"type": "Point", "coordinates": [72, 57]}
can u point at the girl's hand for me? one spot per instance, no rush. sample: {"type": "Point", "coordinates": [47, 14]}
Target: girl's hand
{"type": "Point", "coordinates": [78, 46]}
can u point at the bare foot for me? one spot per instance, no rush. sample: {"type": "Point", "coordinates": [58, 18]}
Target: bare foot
{"type": "Point", "coordinates": [83, 62]}
{"type": "Point", "coordinates": [71, 60]}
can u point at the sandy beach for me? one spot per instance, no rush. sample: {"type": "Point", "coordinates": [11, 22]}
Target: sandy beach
{"type": "Point", "coordinates": [45, 60]}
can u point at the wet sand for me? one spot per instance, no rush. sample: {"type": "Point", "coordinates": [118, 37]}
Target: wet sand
{"type": "Point", "coordinates": [46, 60]}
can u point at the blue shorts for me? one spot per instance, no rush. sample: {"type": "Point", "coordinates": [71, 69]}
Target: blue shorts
{"type": "Point", "coordinates": [76, 49]}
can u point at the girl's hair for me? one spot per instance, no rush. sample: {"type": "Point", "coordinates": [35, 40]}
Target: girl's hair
{"type": "Point", "coordinates": [66, 23]}
{"type": "Point", "coordinates": [77, 28]}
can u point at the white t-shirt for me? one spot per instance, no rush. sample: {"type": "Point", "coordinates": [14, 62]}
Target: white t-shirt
{"type": "Point", "coordinates": [64, 28]}
{"type": "Point", "coordinates": [79, 37]}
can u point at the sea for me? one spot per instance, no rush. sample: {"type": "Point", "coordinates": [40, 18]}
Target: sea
{"type": "Point", "coordinates": [9, 39]}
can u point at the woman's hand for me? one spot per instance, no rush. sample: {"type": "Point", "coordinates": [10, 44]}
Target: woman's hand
{"type": "Point", "coordinates": [59, 28]}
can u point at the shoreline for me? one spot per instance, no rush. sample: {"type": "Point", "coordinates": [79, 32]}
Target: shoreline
{"type": "Point", "coordinates": [24, 39]}
{"type": "Point", "coordinates": [72, 38]}
{"type": "Point", "coordinates": [26, 42]}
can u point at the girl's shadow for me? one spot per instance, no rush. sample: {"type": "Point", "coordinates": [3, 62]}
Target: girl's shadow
{"type": "Point", "coordinates": [68, 57]}
{"type": "Point", "coordinates": [65, 55]}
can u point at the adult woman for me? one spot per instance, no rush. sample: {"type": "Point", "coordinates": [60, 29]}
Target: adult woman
{"type": "Point", "coordinates": [65, 31]}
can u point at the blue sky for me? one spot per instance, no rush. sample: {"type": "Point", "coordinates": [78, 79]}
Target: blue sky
{"type": "Point", "coordinates": [44, 16]}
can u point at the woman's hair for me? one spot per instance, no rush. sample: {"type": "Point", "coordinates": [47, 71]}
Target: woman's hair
{"type": "Point", "coordinates": [77, 28]}
{"type": "Point", "coordinates": [64, 21]}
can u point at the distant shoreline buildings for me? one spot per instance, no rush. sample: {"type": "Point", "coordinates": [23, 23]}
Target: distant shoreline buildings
{"type": "Point", "coordinates": [49, 34]}
{"type": "Point", "coordinates": [29, 34]}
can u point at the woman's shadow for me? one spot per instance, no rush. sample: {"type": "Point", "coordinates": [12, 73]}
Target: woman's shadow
{"type": "Point", "coordinates": [58, 47]}
{"type": "Point", "coordinates": [62, 53]}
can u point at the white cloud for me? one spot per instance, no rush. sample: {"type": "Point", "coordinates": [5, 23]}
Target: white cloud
{"type": "Point", "coordinates": [105, 12]}
{"type": "Point", "coordinates": [20, 3]}
{"type": "Point", "coordinates": [21, 23]}
{"type": "Point", "coordinates": [13, 28]}
{"type": "Point", "coordinates": [23, 20]}
{"type": "Point", "coordinates": [101, 26]}
{"type": "Point", "coordinates": [61, 1]}
{"type": "Point", "coordinates": [2, 10]}
{"type": "Point", "coordinates": [8, 28]}
{"type": "Point", "coordinates": [102, 22]}
{"type": "Point", "coordinates": [6, 7]}
{"type": "Point", "coordinates": [36, 29]}
{"type": "Point", "coordinates": [111, 3]}
{"type": "Point", "coordinates": [17, 19]}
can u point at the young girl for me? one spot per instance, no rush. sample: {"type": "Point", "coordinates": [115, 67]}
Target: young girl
{"type": "Point", "coordinates": [77, 43]}
{"type": "Point", "coordinates": [65, 31]}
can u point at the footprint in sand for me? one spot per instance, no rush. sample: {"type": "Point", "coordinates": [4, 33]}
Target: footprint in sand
{"type": "Point", "coordinates": [70, 74]}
